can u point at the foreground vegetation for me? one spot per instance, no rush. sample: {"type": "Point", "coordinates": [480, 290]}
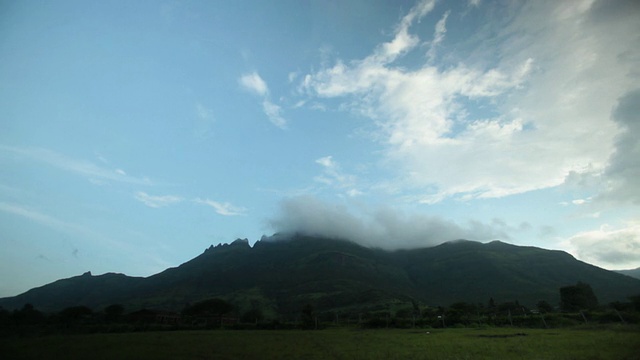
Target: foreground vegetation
{"type": "Point", "coordinates": [611, 342]}
{"type": "Point", "coordinates": [216, 328]}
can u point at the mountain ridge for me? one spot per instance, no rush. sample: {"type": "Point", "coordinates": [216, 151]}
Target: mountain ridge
{"type": "Point", "coordinates": [284, 272]}
{"type": "Point", "coordinates": [634, 273]}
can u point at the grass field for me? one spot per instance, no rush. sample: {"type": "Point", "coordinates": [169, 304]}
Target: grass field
{"type": "Point", "coordinates": [612, 343]}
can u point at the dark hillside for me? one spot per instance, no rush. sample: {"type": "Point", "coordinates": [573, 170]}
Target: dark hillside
{"type": "Point", "coordinates": [283, 273]}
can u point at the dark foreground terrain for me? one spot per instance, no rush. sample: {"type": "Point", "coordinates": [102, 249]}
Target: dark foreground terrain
{"type": "Point", "coordinates": [611, 342]}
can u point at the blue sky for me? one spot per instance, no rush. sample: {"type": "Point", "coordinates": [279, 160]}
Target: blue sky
{"type": "Point", "coordinates": [133, 135]}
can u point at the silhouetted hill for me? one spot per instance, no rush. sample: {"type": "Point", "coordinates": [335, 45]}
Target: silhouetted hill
{"type": "Point", "coordinates": [84, 289]}
{"type": "Point", "coordinates": [282, 273]}
{"type": "Point", "coordinates": [634, 273]}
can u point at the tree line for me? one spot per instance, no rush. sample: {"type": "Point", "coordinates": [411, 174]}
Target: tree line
{"type": "Point", "coordinates": [578, 304]}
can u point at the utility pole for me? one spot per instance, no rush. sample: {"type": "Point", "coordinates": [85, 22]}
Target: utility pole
{"type": "Point", "coordinates": [620, 316]}
{"type": "Point", "coordinates": [584, 317]}
{"type": "Point", "coordinates": [441, 317]}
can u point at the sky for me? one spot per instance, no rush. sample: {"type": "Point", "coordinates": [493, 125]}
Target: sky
{"type": "Point", "coordinates": [135, 134]}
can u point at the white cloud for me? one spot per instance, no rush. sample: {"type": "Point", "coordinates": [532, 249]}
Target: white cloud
{"type": "Point", "coordinates": [254, 83]}
{"type": "Point", "coordinates": [438, 36]}
{"type": "Point", "coordinates": [221, 208]}
{"type": "Point", "coordinates": [607, 247]}
{"type": "Point", "coordinates": [474, 3]}
{"type": "Point", "coordinates": [225, 209]}
{"type": "Point", "coordinates": [157, 201]}
{"type": "Point", "coordinates": [333, 175]}
{"type": "Point", "coordinates": [273, 112]}
{"type": "Point", "coordinates": [326, 161]}
{"type": "Point", "coordinates": [382, 227]}
{"type": "Point", "coordinates": [581, 201]}
{"type": "Point", "coordinates": [403, 41]}
{"type": "Point", "coordinates": [354, 192]}
{"type": "Point", "coordinates": [548, 117]}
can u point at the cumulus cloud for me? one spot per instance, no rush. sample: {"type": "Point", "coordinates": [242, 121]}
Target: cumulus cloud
{"type": "Point", "coordinates": [222, 208]}
{"type": "Point", "coordinates": [546, 74]}
{"type": "Point", "coordinates": [255, 84]}
{"type": "Point", "coordinates": [157, 201]}
{"type": "Point", "coordinates": [607, 247]}
{"type": "Point", "coordinates": [382, 227]}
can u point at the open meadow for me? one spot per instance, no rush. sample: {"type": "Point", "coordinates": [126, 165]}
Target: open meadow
{"type": "Point", "coordinates": [343, 343]}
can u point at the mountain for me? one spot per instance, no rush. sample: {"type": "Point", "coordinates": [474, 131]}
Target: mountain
{"type": "Point", "coordinates": [634, 273]}
{"type": "Point", "coordinates": [280, 274]}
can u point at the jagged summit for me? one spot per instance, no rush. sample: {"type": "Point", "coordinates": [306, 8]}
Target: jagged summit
{"type": "Point", "coordinates": [286, 272]}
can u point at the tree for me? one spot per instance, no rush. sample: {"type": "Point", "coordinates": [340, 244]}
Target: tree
{"type": "Point", "coordinates": [577, 297]}
{"type": "Point", "coordinates": [309, 319]}
{"type": "Point", "coordinates": [544, 307]}
{"type": "Point", "coordinates": [210, 307]}
{"type": "Point", "coordinates": [27, 315]}
{"type": "Point", "coordinates": [75, 313]}
{"type": "Point", "coordinates": [635, 300]}
{"type": "Point", "coordinates": [492, 304]}
{"type": "Point", "coordinates": [113, 312]}
{"type": "Point", "coordinates": [4, 316]}
{"type": "Point", "coordinates": [253, 315]}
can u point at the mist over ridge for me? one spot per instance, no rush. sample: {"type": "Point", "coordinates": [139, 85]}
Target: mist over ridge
{"type": "Point", "coordinates": [380, 227]}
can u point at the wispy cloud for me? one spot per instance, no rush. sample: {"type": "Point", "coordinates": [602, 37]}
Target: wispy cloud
{"type": "Point", "coordinates": [403, 41]}
{"type": "Point", "coordinates": [474, 3]}
{"type": "Point", "coordinates": [547, 108]}
{"type": "Point", "coordinates": [438, 36]}
{"type": "Point", "coordinates": [90, 170]}
{"type": "Point", "coordinates": [222, 208]}
{"type": "Point", "coordinates": [273, 112]}
{"type": "Point", "coordinates": [57, 224]}
{"type": "Point", "coordinates": [253, 83]}
{"type": "Point", "coordinates": [333, 175]}
{"type": "Point", "coordinates": [157, 201]}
